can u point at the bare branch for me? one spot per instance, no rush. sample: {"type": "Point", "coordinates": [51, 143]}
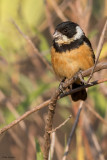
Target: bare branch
{"type": "Point", "coordinates": [62, 6]}
{"type": "Point", "coordinates": [96, 114]}
{"type": "Point", "coordinates": [82, 87]}
{"type": "Point", "coordinates": [49, 18]}
{"type": "Point", "coordinates": [58, 11]}
{"type": "Point", "coordinates": [24, 116]}
{"type": "Point", "coordinates": [86, 73]}
{"type": "Point", "coordinates": [28, 40]}
{"type": "Point", "coordinates": [99, 48]}
{"type": "Point", "coordinates": [92, 139]}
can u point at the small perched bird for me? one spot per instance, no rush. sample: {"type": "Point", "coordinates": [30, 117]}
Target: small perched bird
{"type": "Point", "coordinates": [71, 53]}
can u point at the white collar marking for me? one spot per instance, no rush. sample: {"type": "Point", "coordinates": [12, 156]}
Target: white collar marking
{"type": "Point", "coordinates": [79, 33]}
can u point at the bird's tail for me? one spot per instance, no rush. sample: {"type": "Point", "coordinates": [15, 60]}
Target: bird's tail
{"type": "Point", "coordinates": [80, 95]}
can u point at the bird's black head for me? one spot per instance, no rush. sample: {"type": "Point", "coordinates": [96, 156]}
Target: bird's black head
{"type": "Point", "coordinates": [67, 28]}
{"type": "Point", "coordinates": [67, 32]}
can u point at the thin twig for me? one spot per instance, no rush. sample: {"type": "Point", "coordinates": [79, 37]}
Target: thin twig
{"type": "Point", "coordinates": [72, 131]}
{"type": "Point", "coordinates": [44, 25]}
{"type": "Point", "coordinates": [92, 139]}
{"type": "Point", "coordinates": [49, 18]}
{"type": "Point", "coordinates": [96, 114]}
{"type": "Point", "coordinates": [62, 124]}
{"type": "Point", "coordinates": [58, 11]}
{"type": "Point", "coordinates": [99, 48]}
{"type": "Point", "coordinates": [31, 44]}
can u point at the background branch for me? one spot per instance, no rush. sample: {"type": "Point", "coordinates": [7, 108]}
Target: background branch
{"type": "Point", "coordinates": [24, 116]}
{"type": "Point", "coordinates": [99, 48]}
{"type": "Point", "coordinates": [31, 44]}
{"type": "Point", "coordinates": [96, 114]}
{"type": "Point", "coordinates": [73, 130]}
{"type": "Point", "coordinates": [62, 124]}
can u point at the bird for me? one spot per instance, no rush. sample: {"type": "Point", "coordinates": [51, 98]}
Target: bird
{"type": "Point", "coordinates": [71, 53]}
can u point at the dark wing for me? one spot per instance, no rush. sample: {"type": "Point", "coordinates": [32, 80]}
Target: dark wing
{"type": "Point", "coordinates": [86, 40]}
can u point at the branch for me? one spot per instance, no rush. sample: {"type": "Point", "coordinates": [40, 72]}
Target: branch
{"type": "Point", "coordinates": [35, 109]}
{"type": "Point", "coordinates": [99, 48]}
{"type": "Point", "coordinates": [100, 66]}
{"type": "Point", "coordinates": [62, 124]}
{"type": "Point", "coordinates": [92, 139]}
{"type": "Point", "coordinates": [58, 11]}
{"type": "Point", "coordinates": [82, 87]}
{"type": "Point", "coordinates": [31, 44]}
{"type": "Point", "coordinates": [49, 17]}
{"type": "Point", "coordinates": [96, 114]}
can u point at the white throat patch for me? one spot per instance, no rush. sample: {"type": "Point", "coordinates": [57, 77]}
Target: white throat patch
{"type": "Point", "coordinates": [79, 33]}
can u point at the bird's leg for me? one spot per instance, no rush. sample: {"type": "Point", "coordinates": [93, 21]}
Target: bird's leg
{"type": "Point", "coordinates": [61, 85]}
{"type": "Point", "coordinates": [81, 77]}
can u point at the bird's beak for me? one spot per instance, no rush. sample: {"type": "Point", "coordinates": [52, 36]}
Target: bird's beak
{"type": "Point", "coordinates": [57, 34]}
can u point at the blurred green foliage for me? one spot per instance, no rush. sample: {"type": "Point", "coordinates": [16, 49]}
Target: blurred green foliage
{"type": "Point", "coordinates": [28, 15]}
{"type": "Point", "coordinates": [39, 152]}
{"type": "Point", "coordinates": [99, 100]}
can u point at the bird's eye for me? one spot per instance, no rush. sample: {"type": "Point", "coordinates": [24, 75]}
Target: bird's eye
{"type": "Point", "coordinates": [65, 30]}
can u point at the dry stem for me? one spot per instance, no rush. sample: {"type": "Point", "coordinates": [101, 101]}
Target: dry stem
{"type": "Point", "coordinates": [99, 48]}
{"type": "Point", "coordinates": [62, 124]}
{"type": "Point", "coordinates": [28, 40]}
{"type": "Point", "coordinates": [96, 114]}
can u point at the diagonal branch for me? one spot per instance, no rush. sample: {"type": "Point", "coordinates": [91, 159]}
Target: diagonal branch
{"type": "Point", "coordinates": [96, 114]}
{"type": "Point", "coordinates": [62, 124]}
{"type": "Point", "coordinates": [26, 114]}
{"type": "Point", "coordinates": [82, 87]}
{"type": "Point", "coordinates": [31, 44]}
{"type": "Point", "coordinates": [99, 48]}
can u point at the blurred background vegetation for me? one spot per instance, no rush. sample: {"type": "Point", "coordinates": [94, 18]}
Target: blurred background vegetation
{"type": "Point", "coordinates": [26, 81]}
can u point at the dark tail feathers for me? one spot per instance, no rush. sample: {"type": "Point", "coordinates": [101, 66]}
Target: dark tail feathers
{"type": "Point", "coordinates": [80, 95]}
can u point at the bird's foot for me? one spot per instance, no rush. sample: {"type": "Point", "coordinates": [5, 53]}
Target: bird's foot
{"type": "Point", "coordinates": [81, 77]}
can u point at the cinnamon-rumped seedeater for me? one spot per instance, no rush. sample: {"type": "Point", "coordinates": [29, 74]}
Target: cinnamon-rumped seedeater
{"type": "Point", "coordinates": [71, 52]}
